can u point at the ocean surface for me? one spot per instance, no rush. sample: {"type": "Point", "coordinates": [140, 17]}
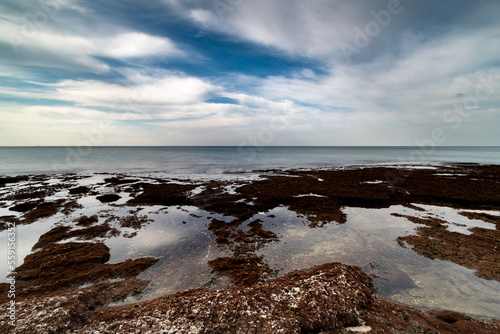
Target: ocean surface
{"type": "Point", "coordinates": [182, 160]}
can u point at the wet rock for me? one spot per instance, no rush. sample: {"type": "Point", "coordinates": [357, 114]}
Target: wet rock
{"type": "Point", "coordinates": [65, 232]}
{"type": "Point", "coordinates": [307, 301]}
{"type": "Point", "coordinates": [23, 207]}
{"type": "Point", "coordinates": [13, 179]}
{"type": "Point", "coordinates": [386, 317]}
{"type": "Point", "coordinates": [163, 194]}
{"type": "Point", "coordinates": [59, 267]}
{"type": "Point", "coordinates": [331, 298]}
{"type": "Point", "coordinates": [478, 250]}
{"type": "Point", "coordinates": [322, 298]}
{"type": "Point", "coordinates": [108, 198]}
{"type": "Point", "coordinates": [134, 221]}
{"type": "Point", "coordinates": [69, 311]}
{"type": "Point", "coordinates": [482, 216]}
{"type": "Point", "coordinates": [8, 221]}
{"type": "Point", "coordinates": [43, 210]}
{"type": "Point", "coordinates": [79, 190]}
{"type": "Point", "coordinates": [86, 221]}
{"type": "Point", "coordinates": [119, 180]}
{"type": "Point", "coordinates": [242, 271]}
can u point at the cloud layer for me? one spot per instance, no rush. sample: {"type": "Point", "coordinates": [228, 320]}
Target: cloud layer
{"type": "Point", "coordinates": [225, 72]}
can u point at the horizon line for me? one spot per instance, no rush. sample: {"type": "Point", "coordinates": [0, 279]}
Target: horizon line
{"type": "Point", "coordinates": [238, 146]}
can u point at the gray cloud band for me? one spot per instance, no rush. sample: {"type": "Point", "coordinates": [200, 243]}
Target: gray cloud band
{"type": "Point", "coordinates": [363, 37]}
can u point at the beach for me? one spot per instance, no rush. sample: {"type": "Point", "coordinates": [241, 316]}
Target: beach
{"type": "Point", "coordinates": [328, 250]}
{"type": "Point", "coordinates": [234, 166]}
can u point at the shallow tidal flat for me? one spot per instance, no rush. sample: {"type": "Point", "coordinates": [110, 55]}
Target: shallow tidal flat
{"type": "Point", "coordinates": [425, 237]}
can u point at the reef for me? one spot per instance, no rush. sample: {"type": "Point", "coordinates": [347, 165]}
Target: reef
{"type": "Point", "coordinates": [331, 298]}
{"type": "Point", "coordinates": [478, 250]}
{"type": "Point", "coordinates": [70, 286]}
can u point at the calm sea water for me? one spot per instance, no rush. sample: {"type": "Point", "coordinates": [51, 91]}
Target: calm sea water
{"type": "Point", "coordinates": [219, 160]}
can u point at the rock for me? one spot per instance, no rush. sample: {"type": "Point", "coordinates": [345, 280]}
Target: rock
{"type": "Point", "coordinates": [108, 198]}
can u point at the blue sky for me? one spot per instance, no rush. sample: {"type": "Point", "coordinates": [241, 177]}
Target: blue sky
{"type": "Point", "coordinates": [249, 72]}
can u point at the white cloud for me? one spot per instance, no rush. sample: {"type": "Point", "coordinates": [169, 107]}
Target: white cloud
{"type": "Point", "coordinates": [151, 94]}
{"type": "Point", "coordinates": [74, 50]}
{"type": "Point", "coordinates": [204, 17]}
{"type": "Point", "coordinates": [134, 44]}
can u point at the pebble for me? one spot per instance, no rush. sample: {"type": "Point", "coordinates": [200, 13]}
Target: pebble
{"type": "Point", "coordinates": [359, 329]}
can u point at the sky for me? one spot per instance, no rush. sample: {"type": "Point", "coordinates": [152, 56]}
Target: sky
{"type": "Point", "coordinates": [249, 72]}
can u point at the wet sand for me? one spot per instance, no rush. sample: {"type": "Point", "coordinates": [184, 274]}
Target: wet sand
{"type": "Point", "coordinates": [69, 262]}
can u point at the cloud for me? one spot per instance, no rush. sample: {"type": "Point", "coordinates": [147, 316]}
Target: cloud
{"type": "Point", "coordinates": [424, 74]}
{"type": "Point", "coordinates": [312, 28]}
{"type": "Point", "coordinates": [152, 93]}
{"type": "Point", "coordinates": [51, 39]}
{"type": "Point", "coordinates": [134, 44]}
{"type": "Point", "coordinates": [323, 29]}
{"type": "Point", "coordinates": [66, 52]}
{"type": "Point", "coordinates": [143, 95]}
{"type": "Point", "coordinates": [204, 17]}
{"type": "Point", "coordinates": [131, 68]}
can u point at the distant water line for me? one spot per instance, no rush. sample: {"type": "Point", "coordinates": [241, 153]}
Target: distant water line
{"type": "Point", "coordinates": [216, 160]}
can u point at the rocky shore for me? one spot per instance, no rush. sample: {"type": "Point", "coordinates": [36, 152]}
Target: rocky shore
{"type": "Point", "coordinates": [67, 285]}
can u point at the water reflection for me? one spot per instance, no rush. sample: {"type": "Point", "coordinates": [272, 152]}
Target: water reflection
{"type": "Point", "coordinates": [368, 239]}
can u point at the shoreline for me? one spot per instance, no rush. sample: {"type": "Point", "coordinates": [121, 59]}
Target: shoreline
{"type": "Point", "coordinates": [319, 196]}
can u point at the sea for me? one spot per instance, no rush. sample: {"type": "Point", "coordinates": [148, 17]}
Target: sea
{"type": "Point", "coordinates": [219, 160]}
